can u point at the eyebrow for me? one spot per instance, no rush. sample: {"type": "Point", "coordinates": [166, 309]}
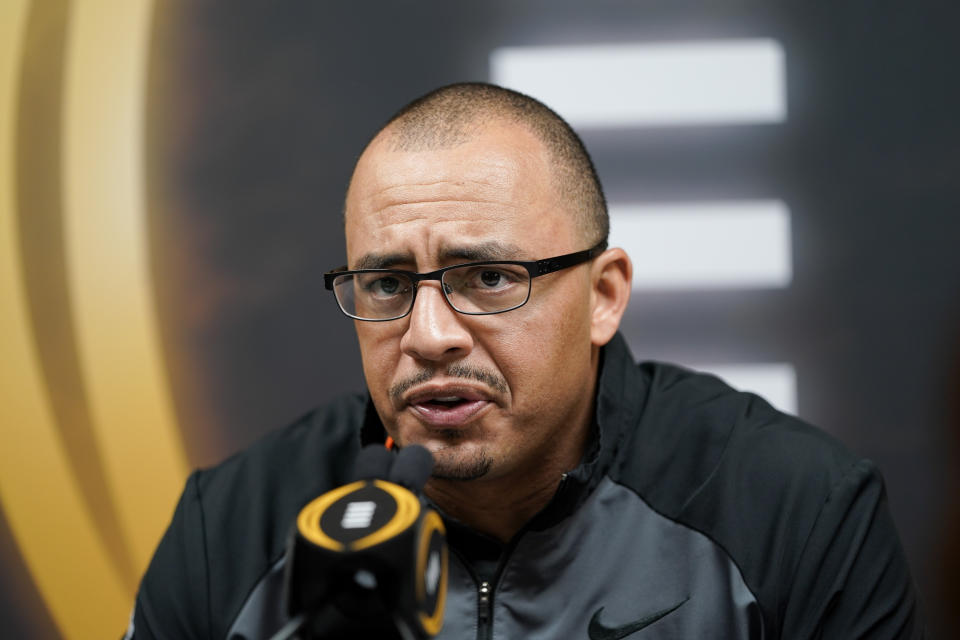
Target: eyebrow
{"type": "Point", "coordinates": [482, 251]}
{"type": "Point", "coordinates": [491, 250]}
{"type": "Point", "coordinates": [382, 260]}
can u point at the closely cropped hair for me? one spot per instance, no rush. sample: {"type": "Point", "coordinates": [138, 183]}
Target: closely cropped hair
{"type": "Point", "coordinates": [450, 115]}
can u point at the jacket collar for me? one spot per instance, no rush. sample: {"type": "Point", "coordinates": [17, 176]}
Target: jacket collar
{"type": "Point", "coordinates": [620, 396]}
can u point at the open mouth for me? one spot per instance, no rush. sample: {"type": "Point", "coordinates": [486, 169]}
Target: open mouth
{"type": "Point", "coordinates": [447, 402]}
{"type": "Point", "coordinates": [448, 410]}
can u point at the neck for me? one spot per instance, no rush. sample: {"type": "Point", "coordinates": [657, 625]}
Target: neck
{"type": "Point", "coordinates": [484, 509]}
{"type": "Point", "coordinates": [499, 507]}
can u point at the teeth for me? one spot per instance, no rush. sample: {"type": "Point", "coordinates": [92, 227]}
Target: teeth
{"type": "Point", "coordinates": [447, 399]}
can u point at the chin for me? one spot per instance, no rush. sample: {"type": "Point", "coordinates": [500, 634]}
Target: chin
{"type": "Point", "coordinates": [460, 463]}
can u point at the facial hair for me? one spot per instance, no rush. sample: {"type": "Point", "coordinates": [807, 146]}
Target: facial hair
{"type": "Point", "coordinates": [456, 466]}
{"type": "Point", "coordinates": [493, 380]}
{"type": "Point", "coordinates": [450, 464]}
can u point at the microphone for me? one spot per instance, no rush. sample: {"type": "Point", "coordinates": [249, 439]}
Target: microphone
{"type": "Point", "coordinates": [369, 559]}
{"type": "Point", "coordinates": [375, 462]}
{"type": "Point", "coordinates": [411, 468]}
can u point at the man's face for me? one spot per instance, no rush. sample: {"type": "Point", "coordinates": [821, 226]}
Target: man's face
{"type": "Point", "coordinates": [490, 396]}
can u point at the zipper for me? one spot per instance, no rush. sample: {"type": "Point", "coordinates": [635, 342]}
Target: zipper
{"type": "Point", "coordinates": [484, 599]}
{"type": "Point", "coordinates": [484, 611]}
{"type": "Point", "coordinates": [485, 588]}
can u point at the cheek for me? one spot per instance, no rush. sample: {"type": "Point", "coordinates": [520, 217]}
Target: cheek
{"type": "Point", "coordinates": [379, 357]}
{"type": "Point", "coordinates": [378, 354]}
{"type": "Point", "coordinates": [544, 355]}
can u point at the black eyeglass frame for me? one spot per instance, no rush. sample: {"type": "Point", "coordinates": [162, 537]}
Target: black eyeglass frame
{"type": "Point", "coordinates": [535, 268]}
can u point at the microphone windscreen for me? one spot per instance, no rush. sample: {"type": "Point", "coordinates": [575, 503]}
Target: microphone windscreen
{"type": "Point", "coordinates": [373, 462]}
{"type": "Point", "coordinates": [412, 467]}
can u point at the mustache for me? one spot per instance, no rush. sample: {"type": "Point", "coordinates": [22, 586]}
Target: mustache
{"type": "Point", "coordinates": [493, 380]}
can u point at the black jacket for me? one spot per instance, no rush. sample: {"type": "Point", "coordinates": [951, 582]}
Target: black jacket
{"type": "Point", "coordinates": [698, 512]}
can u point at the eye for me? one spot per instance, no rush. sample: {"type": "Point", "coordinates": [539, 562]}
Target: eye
{"type": "Point", "coordinates": [384, 286]}
{"type": "Point", "coordinates": [491, 278]}
{"type": "Point", "coordinates": [388, 285]}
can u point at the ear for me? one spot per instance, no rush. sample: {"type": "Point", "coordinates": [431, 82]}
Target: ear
{"type": "Point", "coordinates": [612, 275]}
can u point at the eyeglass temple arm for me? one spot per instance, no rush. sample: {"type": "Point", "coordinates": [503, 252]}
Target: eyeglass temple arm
{"type": "Point", "coordinates": [330, 275]}
{"type": "Point", "coordinates": [549, 265]}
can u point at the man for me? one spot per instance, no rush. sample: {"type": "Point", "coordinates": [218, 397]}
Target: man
{"type": "Point", "coordinates": [584, 496]}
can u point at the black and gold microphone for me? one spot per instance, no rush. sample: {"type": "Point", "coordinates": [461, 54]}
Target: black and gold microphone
{"type": "Point", "coordinates": [369, 559]}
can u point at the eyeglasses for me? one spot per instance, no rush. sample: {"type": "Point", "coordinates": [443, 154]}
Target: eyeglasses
{"type": "Point", "coordinates": [473, 288]}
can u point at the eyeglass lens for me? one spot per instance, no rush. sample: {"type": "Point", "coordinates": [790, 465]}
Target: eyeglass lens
{"type": "Point", "coordinates": [486, 288]}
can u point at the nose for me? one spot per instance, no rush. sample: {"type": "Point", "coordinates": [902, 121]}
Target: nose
{"type": "Point", "coordinates": [435, 332]}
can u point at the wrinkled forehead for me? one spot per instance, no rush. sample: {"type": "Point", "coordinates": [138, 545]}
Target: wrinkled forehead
{"type": "Point", "coordinates": [392, 179]}
{"type": "Point", "coordinates": [498, 161]}
{"type": "Point", "coordinates": [494, 187]}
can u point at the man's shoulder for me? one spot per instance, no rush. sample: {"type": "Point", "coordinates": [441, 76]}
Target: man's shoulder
{"type": "Point", "coordinates": [697, 435]}
{"type": "Point", "coordinates": [697, 420]}
{"type": "Point", "coordinates": [753, 479]}
{"type": "Point", "coordinates": [233, 519]}
{"type": "Point", "coordinates": [678, 434]}
{"type": "Point", "coordinates": [803, 518]}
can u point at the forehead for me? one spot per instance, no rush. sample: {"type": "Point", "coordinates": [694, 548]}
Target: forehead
{"type": "Point", "coordinates": [496, 187]}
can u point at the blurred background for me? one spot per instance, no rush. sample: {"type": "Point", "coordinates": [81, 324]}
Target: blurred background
{"type": "Point", "coordinates": [784, 175]}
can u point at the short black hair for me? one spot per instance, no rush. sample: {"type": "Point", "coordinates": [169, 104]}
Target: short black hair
{"type": "Point", "coordinates": [451, 115]}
